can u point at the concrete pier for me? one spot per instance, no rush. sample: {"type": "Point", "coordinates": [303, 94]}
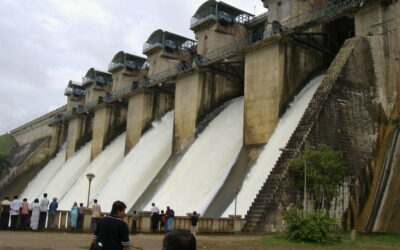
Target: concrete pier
{"type": "Point", "coordinates": [270, 83]}
{"type": "Point", "coordinates": [140, 115]}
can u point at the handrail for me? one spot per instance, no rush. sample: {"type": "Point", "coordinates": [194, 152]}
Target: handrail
{"type": "Point", "coordinates": [257, 18]}
{"type": "Point", "coordinates": [213, 13]}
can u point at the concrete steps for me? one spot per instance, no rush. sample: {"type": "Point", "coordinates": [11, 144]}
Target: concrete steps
{"type": "Point", "coordinates": [263, 209]}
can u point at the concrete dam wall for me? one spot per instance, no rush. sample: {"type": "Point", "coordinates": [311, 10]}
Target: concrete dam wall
{"type": "Point", "coordinates": [189, 125]}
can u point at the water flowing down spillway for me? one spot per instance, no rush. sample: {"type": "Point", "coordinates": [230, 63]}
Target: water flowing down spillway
{"type": "Point", "coordinates": [271, 152]}
{"type": "Point", "coordinates": [56, 185]}
{"type": "Point", "coordinates": [129, 180]}
{"type": "Point", "coordinates": [38, 184]}
{"type": "Point", "coordinates": [203, 168]}
{"type": "Point", "coordinates": [102, 166]}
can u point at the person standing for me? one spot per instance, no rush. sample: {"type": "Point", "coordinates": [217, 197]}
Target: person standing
{"type": "Point", "coordinates": [134, 222]}
{"type": "Point", "coordinates": [24, 218]}
{"type": "Point", "coordinates": [35, 208]}
{"type": "Point", "coordinates": [15, 206]}
{"type": "Point", "coordinates": [5, 213]}
{"type": "Point", "coordinates": [73, 216]}
{"type": "Point", "coordinates": [52, 212]}
{"type": "Point", "coordinates": [154, 217]}
{"type": "Point", "coordinates": [44, 204]}
{"type": "Point", "coordinates": [81, 214]}
{"type": "Point", "coordinates": [170, 214]}
{"type": "Point", "coordinates": [96, 213]}
{"type": "Point", "coordinates": [162, 221]}
{"type": "Point", "coordinates": [112, 231]}
{"type": "Point", "coordinates": [194, 219]}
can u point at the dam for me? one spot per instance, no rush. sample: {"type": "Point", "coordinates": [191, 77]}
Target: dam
{"type": "Point", "coordinates": [209, 124]}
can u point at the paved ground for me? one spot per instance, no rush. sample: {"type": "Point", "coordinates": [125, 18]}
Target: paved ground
{"type": "Point", "coordinates": [48, 240]}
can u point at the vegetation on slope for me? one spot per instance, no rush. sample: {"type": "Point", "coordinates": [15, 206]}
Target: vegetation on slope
{"type": "Point", "coordinates": [6, 145]}
{"type": "Point", "coordinates": [325, 174]}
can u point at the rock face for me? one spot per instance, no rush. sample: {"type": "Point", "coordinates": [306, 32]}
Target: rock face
{"type": "Point", "coordinates": [344, 113]}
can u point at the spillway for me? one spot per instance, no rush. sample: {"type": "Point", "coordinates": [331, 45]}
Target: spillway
{"type": "Point", "coordinates": [271, 152]}
{"type": "Point", "coordinates": [194, 181]}
{"type": "Point", "coordinates": [129, 180]}
{"type": "Point", "coordinates": [56, 185]}
{"type": "Point", "coordinates": [102, 166]}
{"type": "Point", "coordinates": [203, 168]}
{"type": "Point", "coordinates": [38, 184]}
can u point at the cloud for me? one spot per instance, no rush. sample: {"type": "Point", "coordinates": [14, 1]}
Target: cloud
{"type": "Point", "coordinates": [46, 43]}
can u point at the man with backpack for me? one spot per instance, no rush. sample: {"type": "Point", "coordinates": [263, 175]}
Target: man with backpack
{"type": "Point", "coordinates": [112, 232]}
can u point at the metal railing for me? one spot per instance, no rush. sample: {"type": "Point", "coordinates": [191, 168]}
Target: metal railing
{"type": "Point", "coordinates": [87, 80]}
{"type": "Point", "coordinates": [211, 13]}
{"type": "Point", "coordinates": [128, 63]}
{"type": "Point", "coordinates": [149, 46]}
{"type": "Point", "coordinates": [114, 65]}
{"type": "Point", "coordinates": [97, 79]}
{"type": "Point", "coordinates": [325, 11]}
{"type": "Point", "coordinates": [257, 18]}
{"type": "Point", "coordinates": [202, 16]}
{"type": "Point", "coordinates": [74, 91]}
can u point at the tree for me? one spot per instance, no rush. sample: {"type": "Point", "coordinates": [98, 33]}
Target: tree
{"type": "Point", "coordinates": [311, 227]}
{"type": "Point", "coordinates": [325, 173]}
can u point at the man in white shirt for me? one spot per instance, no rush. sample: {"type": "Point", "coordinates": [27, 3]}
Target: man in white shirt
{"type": "Point", "coordinates": [15, 206]}
{"type": "Point", "coordinates": [96, 215]}
{"type": "Point", "coordinates": [44, 204]}
{"type": "Point", "coordinates": [155, 217]}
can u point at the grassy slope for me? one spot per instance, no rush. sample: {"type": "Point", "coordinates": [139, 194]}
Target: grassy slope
{"type": "Point", "coordinates": [382, 241]}
{"type": "Point", "coordinates": [6, 145]}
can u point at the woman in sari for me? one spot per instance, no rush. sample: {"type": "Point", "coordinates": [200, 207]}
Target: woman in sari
{"type": "Point", "coordinates": [73, 215]}
{"type": "Point", "coordinates": [35, 208]}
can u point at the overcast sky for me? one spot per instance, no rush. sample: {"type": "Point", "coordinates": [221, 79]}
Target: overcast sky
{"type": "Point", "coordinates": [46, 43]}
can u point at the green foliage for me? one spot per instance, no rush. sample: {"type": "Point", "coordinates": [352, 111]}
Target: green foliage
{"type": "Point", "coordinates": [6, 144]}
{"type": "Point", "coordinates": [311, 227]}
{"type": "Point", "coordinates": [4, 164]}
{"type": "Point", "coordinates": [364, 241]}
{"type": "Point", "coordinates": [325, 173]}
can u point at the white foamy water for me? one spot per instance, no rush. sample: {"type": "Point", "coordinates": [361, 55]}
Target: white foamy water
{"type": "Point", "coordinates": [204, 167]}
{"type": "Point", "coordinates": [102, 166]}
{"type": "Point", "coordinates": [37, 185]}
{"type": "Point", "coordinates": [270, 154]}
{"type": "Point", "coordinates": [67, 174]}
{"type": "Point", "coordinates": [129, 180]}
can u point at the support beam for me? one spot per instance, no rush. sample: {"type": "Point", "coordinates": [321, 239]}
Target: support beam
{"type": "Point", "coordinates": [57, 137]}
{"type": "Point", "coordinates": [198, 94]}
{"type": "Point", "coordinates": [140, 115]}
{"type": "Point", "coordinates": [262, 87]}
{"type": "Point", "coordinates": [74, 135]}
{"type": "Point", "coordinates": [273, 74]}
{"type": "Point", "coordinates": [187, 102]}
{"type": "Point", "coordinates": [101, 127]}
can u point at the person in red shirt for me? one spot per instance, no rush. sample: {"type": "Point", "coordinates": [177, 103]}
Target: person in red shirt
{"type": "Point", "coordinates": [24, 218]}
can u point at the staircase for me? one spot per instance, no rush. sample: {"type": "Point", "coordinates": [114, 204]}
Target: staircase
{"type": "Point", "coordinates": [262, 215]}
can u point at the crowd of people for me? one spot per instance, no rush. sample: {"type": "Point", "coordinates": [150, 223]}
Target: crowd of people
{"type": "Point", "coordinates": [109, 232]}
{"type": "Point", "coordinates": [20, 215]}
{"type": "Point", "coordinates": [112, 233]}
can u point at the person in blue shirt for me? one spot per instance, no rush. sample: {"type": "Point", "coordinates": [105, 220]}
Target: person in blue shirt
{"type": "Point", "coordinates": [52, 212]}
